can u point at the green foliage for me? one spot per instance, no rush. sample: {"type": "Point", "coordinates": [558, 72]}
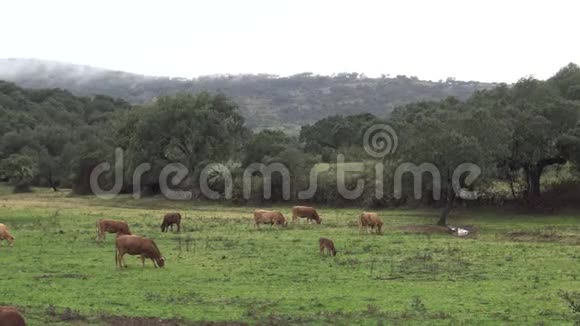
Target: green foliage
{"type": "Point", "coordinates": [539, 119]}
{"type": "Point", "coordinates": [513, 133]}
{"type": "Point", "coordinates": [55, 131]}
{"type": "Point", "coordinates": [264, 145]}
{"type": "Point", "coordinates": [508, 130]}
{"type": "Point", "coordinates": [448, 134]}
{"type": "Point", "coordinates": [337, 134]}
{"type": "Point", "coordinates": [567, 80]}
{"type": "Point", "coordinates": [569, 145]}
{"type": "Point", "coordinates": [19, 170]}
{"type": "Point", "coordinates": [187, 129]}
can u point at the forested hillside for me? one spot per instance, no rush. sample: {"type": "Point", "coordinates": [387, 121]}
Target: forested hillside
{"type": "Point", "coordinates": [514, 134]}
{"type": "Point", "coordinates": [46, 135]}
{"type": "Point", "coordinates": [266, 101]}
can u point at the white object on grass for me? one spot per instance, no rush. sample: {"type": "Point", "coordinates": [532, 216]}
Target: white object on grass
{"type": "Point", "coordinates": [458, 231]}
{"type": "Point", "coordinates": [461, 232]}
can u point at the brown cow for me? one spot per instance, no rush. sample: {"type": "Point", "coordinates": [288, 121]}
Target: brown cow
{"type": "Point", "coordinates": [169, 219]}
{"type": "Point", "coordinates": [10, 316]}
{"type": "Point", "coordinates": [371, 220]}
{"type": "Point", "coordinates": [5, 235]}
{"type": "Point", "coordinates": [262, 216]}
{"type": "Point", "coordinates": [136, 245]}
{"type": "Point", "coordinates": [111, 226]}
{"type": "Point", "coordinates": [305, 212]}
{"type": "Point", "coordinates": [328, 245]}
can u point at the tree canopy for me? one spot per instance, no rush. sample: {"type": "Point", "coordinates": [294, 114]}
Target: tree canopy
{"type": "Point", "coordinates": [52, 132]}
{"type": "Point", "coordinates": [510, 132]}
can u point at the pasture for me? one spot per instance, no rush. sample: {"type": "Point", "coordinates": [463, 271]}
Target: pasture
{"type": "Point", "coordinates": [221, 269]}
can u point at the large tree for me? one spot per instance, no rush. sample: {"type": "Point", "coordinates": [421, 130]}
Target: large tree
{"type": "Point", "coordinates": [447, 135]}
{"type": "Point", "coordinates": [187, 129]}
{"type": "Point", "coordinates": [538, 118]}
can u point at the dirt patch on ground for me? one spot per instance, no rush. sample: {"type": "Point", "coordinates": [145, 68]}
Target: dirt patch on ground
{"type": "Point", "coordinates": [543, 236]}
{"type": "Point", "coordinates": [437, 229]}
{"type": "Point", "coordinates": [150, 321]}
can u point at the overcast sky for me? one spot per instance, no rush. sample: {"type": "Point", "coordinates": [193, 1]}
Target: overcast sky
{"type": "Point", "coordinates": [471, 40]}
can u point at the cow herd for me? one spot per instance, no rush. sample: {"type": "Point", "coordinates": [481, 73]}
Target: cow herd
{"type": "Point", "coordinates": [144, 248]}
{"type": "Point", "coordinates": [128, 243]}
{"type": "Point", "coordinates": [367, 221]}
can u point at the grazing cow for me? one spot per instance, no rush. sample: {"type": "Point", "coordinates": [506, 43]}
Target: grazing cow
{"type": "Point", "coordinates": [170, 219]}
{"type": "Point", "coordinates": [269, 217]}
{"type": "Point", "coordinates": [111, 226]}
{"type": "Point", "coordinates": [5, 235]}
{"type": "Point", "coordinates": [136, 245]}
{"type": "Point", "coordinates": [371, 220]}
{"type": "Point", "coordinates": [10, 316]}
{"type": "Point", "coordinates": [328, 245]}
{"type": "Point", "coordinates": [305, 212]}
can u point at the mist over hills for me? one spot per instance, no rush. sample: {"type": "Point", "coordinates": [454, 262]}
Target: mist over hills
{"type": "Point", "coordinates": [266, 101]}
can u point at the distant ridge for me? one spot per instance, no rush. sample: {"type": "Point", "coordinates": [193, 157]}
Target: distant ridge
{"type": "Point", "coordinates": [266, 101]}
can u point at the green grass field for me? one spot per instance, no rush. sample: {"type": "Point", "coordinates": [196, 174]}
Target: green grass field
{"type": "Point", "coordinates": [223, 269]}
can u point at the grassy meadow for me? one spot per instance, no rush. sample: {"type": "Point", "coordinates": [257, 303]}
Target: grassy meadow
{"type": "Point", "coordinates": [221, 269]}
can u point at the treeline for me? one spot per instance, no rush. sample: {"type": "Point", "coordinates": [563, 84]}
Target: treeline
{"type": "Point", "coordinates": [265, 101]}
{"type": "Point", "coordinates": [46, 135]}
{"type": "Point", "coordinates": [512, 133]}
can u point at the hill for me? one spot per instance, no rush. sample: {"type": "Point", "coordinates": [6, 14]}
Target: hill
{"type": "Point", "coordinates": [266, 101]}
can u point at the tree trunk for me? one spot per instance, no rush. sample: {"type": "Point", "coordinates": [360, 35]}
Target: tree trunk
{"type": "Point", "coordinates": [51, 182]}
{"type": "Point", "coordinates": [82, 181]}
{"type": "Point", "coordinates": [534, 176]}
{"type": "Point", "coordinates": [448, 206]}
{"type": "Point", "coordinates": [512, 187]}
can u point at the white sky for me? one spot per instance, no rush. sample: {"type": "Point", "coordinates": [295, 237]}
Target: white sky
{"type": "Point", "coordinates": [484, 40]}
